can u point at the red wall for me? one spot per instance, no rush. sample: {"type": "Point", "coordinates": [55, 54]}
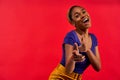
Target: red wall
{"type": "Point", "coordinates": [32, 31]}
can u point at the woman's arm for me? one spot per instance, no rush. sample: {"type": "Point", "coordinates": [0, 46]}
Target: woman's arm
{"type": "Point", "coordinates": [94, 59]}
{"type": "Point", "coordinates": [72, 56]}
{"type": "Point", "coordinates": [69, 63]}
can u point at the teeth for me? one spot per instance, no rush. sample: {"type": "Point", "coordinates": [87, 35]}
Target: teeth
{"type": "Point", "coordinates": [84, 20]}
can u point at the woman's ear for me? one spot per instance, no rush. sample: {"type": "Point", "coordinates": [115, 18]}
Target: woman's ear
{"type": "Point", "coordinates": [73, 23]}
{"type": "Point", "coordinates": [70, 20]}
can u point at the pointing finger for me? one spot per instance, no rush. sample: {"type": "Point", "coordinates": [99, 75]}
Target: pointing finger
{"type": "Point", "coordinates": [75, 46]}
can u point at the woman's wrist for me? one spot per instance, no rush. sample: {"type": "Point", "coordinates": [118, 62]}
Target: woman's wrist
{"type": "Point", "coordinates": [72, 58]}
{"type": "Point", "coordinates": [88, 51]}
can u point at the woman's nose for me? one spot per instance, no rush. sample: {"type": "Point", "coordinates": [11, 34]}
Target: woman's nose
{"type": "Point", "coordinates": [83, 17]}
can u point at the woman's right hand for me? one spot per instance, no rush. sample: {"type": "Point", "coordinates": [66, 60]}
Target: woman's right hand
{"type": "Point", "coordinates": [76, 55]}
{"type": "Point", "coordinates": [84, 47]}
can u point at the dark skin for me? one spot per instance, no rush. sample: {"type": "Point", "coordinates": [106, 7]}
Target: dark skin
{"type": "Point", "coordinates": [81, 20]}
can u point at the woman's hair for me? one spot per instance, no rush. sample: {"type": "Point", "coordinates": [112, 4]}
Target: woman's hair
{"type": "Point", "coordinates": [69, 15]}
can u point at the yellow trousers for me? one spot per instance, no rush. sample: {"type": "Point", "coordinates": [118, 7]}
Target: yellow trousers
{"type": "Point", "coordinates": [59, 74]}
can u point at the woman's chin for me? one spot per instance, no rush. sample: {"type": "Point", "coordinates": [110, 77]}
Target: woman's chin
{"type": "Point", "coordinates": [87, 26]}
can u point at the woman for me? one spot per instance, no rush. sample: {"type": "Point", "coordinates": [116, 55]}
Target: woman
{"type": "Point", "coordinates": [80, 48]}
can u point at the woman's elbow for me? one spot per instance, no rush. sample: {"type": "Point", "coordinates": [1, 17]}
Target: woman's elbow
{"type": "Point", "coordinates": [68, 71]}
{"type": "Point", "coordinates": [98, 68]}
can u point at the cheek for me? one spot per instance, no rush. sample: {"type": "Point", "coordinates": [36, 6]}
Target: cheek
{"type": "Point", "coordinates": [77, 20]}
{"type": "Point", "coordinates": [79, 23]}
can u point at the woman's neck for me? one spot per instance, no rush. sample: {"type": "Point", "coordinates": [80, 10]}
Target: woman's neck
{"type": "Point", "coordinates": [82, 32]}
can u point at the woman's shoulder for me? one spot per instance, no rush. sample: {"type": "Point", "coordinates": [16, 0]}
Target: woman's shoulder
{"type": "Point", "coordinates": [70, 33]}
{"type": "Point", "coordinates": [92, 35]}
{"type": "Point", "coordinates": [94, 38]}
{"type": "Point", "coordinates": [70, 38]}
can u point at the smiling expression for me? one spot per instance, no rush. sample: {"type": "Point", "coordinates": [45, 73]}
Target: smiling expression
{"type": "Point", "coordinates": [80, 18]}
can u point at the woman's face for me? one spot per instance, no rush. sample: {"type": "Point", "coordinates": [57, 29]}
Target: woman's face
{"type": "Point", "coordinates": [80, 18]}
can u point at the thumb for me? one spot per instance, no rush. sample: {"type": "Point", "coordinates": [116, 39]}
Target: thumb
{"type": "Point", "coordinates": [80, 46]}
{"type": "Point", "coordinates": [75, 46]}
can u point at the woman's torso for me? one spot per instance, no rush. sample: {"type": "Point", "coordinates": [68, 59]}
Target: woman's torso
{"type": "Point", "coordinates": [72, 38]}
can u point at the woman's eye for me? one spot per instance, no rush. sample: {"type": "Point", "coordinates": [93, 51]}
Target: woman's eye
{"type": "Point", "coordinates": [76, 16]}
{"type": "Point", "coordinates": [84, 12]}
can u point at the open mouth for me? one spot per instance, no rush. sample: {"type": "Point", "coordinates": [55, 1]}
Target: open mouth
{"type": "Point", "coordinates": [85, 20]}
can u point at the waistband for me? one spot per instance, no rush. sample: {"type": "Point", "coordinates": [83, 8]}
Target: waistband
{"type": "Point", "coordinates": [73, 75]}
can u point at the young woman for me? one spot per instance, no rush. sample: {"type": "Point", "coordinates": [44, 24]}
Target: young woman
{"type": "Point", "coordinates": [80, 48]}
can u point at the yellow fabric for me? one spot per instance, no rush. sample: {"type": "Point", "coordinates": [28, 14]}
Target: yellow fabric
{"type": "Point", "coordinates": [59, 74]}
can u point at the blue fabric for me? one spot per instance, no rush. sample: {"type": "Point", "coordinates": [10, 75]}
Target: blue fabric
{"type": "Point", "coordinates": [72, 38]}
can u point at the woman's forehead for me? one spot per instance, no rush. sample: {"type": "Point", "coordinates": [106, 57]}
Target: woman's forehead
{"type": "Point", "coordinates": [77, 9]}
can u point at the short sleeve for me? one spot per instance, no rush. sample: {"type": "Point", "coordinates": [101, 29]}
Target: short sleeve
{"type": "Point", "coordinates": [95, 41]}
{"type": "Point", "coordinates": [69, 39]}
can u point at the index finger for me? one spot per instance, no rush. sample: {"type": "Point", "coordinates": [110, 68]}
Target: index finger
{"type": "Point", "coordinates": [75, 46]}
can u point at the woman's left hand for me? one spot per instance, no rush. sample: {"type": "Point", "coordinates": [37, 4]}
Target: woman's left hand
{"type": "Point", "coordinates": [84, 47]}
{"type": "Point", "coordinates": [76, 55]}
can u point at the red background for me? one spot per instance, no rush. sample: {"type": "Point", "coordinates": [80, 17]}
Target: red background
{"type": "Point", "coordinates": [32, 31]}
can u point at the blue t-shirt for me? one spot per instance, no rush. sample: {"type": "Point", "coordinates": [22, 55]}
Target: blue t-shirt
{"type": "Point", "coordinates": [72, 38]}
